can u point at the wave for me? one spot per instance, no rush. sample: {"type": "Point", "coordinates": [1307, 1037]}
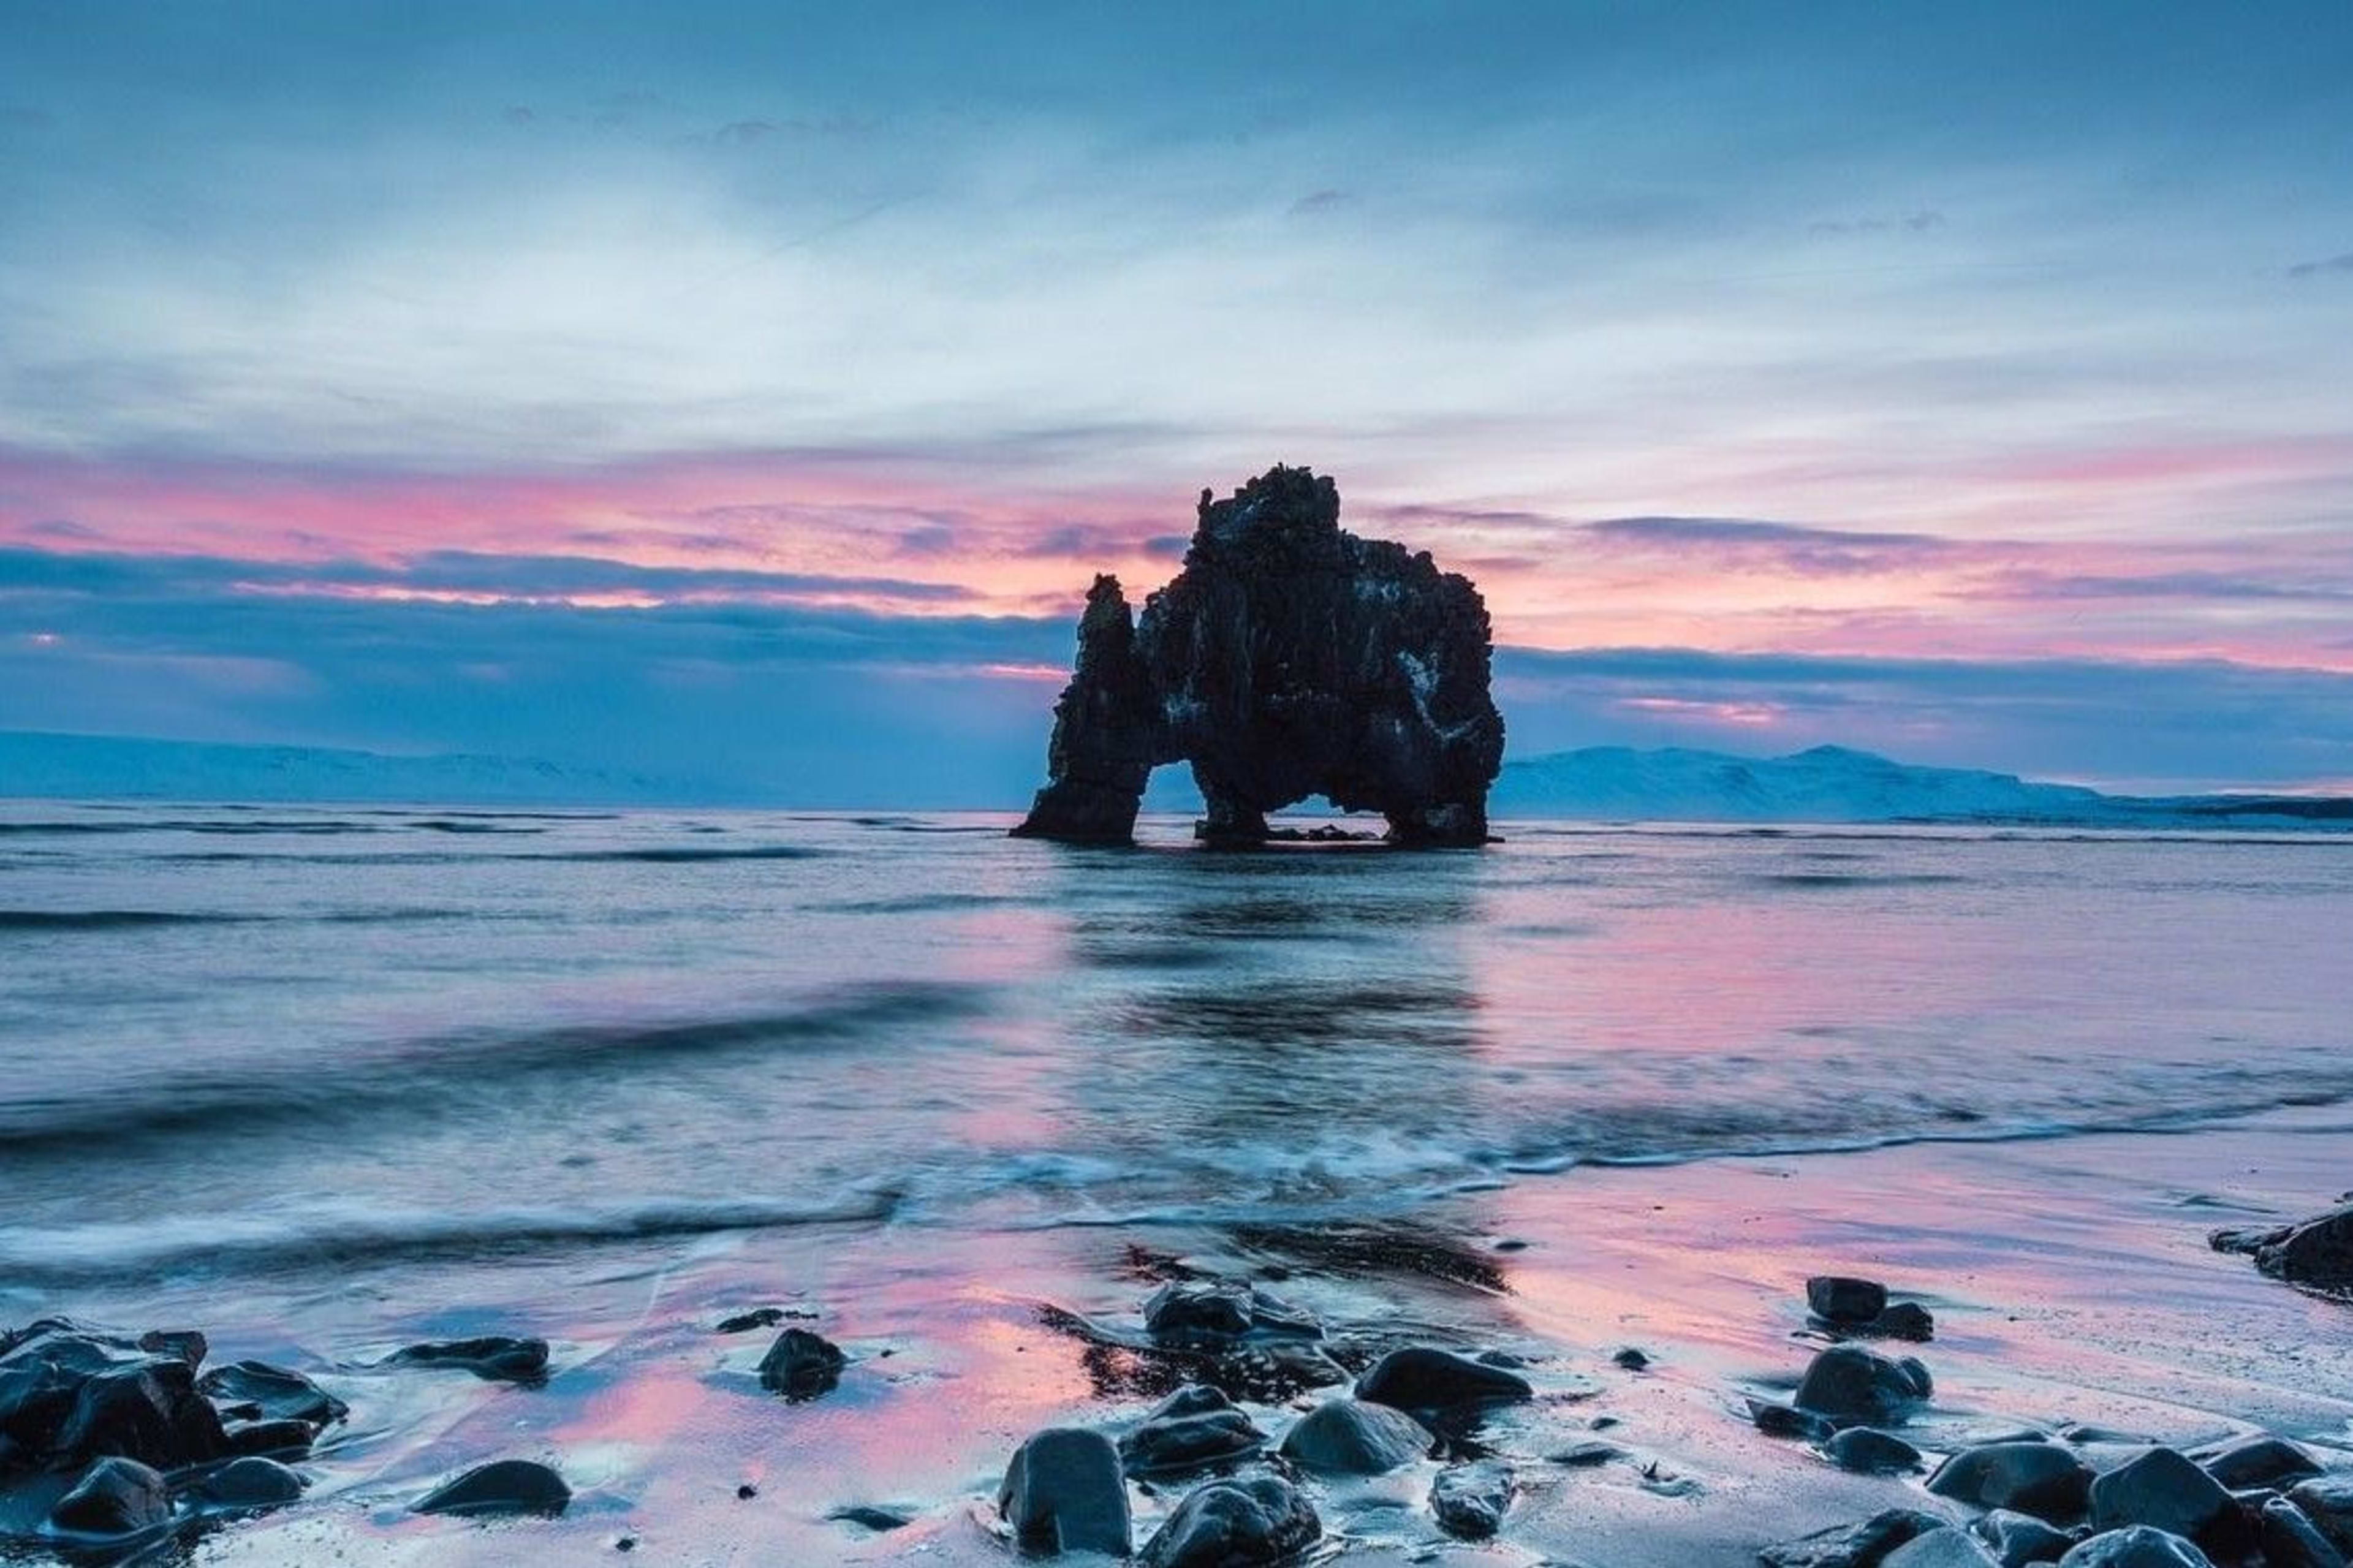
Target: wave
{"type": "Point", "coordinates": [350, 1232]}
{"type": "Point", "coordinates": [448, 1074]}
{"type": "Point", "coordinates": [109, 920]}
{"type": "Point", "coordinates": [647, 854]}
{"type": "Point", "coordinates": [1830, 880]}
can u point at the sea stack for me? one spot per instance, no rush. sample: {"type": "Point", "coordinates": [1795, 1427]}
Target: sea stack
{"type": "Point", "coordinates": [1288, 659]}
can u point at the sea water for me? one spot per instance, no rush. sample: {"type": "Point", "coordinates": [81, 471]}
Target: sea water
{"type": "Point", "coordinates": [239, 1044]}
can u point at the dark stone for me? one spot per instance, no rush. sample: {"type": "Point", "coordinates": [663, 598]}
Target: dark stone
{"type": "Point", "coordinates": [1863, 1546]}
{"type": "Point", "coordinates": [757, 1317]}
{"type": "Point", "coordinates": [1289, 658]}
{"type": "Point", "coordinates": [1946, 1546]}
{"type": "Point", "coordinates": [1586, 1455]}
{"type": "Point", "coordinates": [501, 1487]}
{"type": "Point", "coordinates": [2046, 1480]}
{"type": "Point", "coordinates": [2327, 1501]}
{"type": "Point", "coordinates": [114, 1496]}
{"type": "Point", "coordinates": [1353, 1437]}
{"type": "Point", "coordinates": [2161, 1489]}
{"type": "Point", "coordinates": [1421, 1378]}
{"type": "Point", "coordinates": [2257, 1462]}
{"type": "Point", "coordinates": [2315, 1252]}
{"type": "Point", "coordinates": [1901, 1321]}
{"type": "Point", "coordinates": [2136, 1546]}
{"type": "Point", "coordinates": [149, 1411]}
{"type": "Point", "coordinates": [250, 1484]}
{"type": "Point", "coordinates": [1173, 1444]}
{"type": "Point", "coordinates": [1470, 1500]}
{"type": "Point", "coordinates": [254, 1390]}
{"type": "Point", "coordinates": [496, 1358]}
{"type": "Point", "coordinates": [1781, 1421]}
{"type": "Point", "coordinates": [2019, 1539]}
{"type": "Point", "coordinates": [186, 1344]}
{"type": "Point", "coordinates": [1192, 1399]}
{"type": "Point", "coordinates": [1224, 1309]}
{"type": "Point", "coordinates": [1868, 1451]}
{"type": "Point", "coordinates": [1631, 1359]}
{"type": "Point", "coordinates": [2292, 1540]}
{"type": "Point", "coordinates": [281, 1437]}
{"type": "Point", "coordinates": [801, 1365]}
{"type": "Point", "coordinates": [1234, 1524]}
{"type": "Point", "coordinates": [1850, 1385]}
{"type": "Point", "coordinates": [1916, 1370]}
{"type": "Point", "coordinates": [1064, 1492]}
{"type": "Point", "coordinates": [1836, 1298]}
{"type": "Point", "coordinates": [879, 1520]}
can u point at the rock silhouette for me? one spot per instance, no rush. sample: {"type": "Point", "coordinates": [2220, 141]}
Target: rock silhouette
{"type": "Point", "coordinates": [1288, 659]}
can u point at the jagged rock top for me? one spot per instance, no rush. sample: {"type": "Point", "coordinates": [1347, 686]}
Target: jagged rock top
{"type": "Point", "coordinates": [1288, 659]}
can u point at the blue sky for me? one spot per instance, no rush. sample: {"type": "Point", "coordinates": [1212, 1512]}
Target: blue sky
{"type": "Point", "coordinates": [758, 386]}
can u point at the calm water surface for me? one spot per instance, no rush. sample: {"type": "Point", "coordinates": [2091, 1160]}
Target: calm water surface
{"type": "Point", "coordinates": [237, 1042]}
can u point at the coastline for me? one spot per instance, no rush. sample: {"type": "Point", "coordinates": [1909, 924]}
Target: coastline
{"type": "Point", "coordinates": [2069, 1278]}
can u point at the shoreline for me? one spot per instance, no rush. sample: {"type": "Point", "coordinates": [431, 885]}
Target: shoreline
{"type": "Point", "coordinates": [2070, 1278]}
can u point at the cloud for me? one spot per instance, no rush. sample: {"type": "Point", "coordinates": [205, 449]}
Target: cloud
{"type": "Point", "coordinates": [1323, 201]}
{"type": "Point", "coordinates": [1920, 221]}
{"type": "Point", "coordinates": [2317, 269]}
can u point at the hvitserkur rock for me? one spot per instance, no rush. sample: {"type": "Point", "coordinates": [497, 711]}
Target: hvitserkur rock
{"type": "Point", "coordinates": [1288, 659]}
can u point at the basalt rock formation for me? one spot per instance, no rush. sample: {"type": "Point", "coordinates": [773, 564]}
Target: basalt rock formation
{"type": "Point", "coordinates": [1288, 659]}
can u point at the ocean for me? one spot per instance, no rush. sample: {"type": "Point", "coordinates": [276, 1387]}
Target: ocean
{"type": "Point", "coordinates": [323, 1078]}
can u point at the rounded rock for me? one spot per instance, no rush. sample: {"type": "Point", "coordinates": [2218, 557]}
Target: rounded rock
{"type": "Point", "coordinates": [1853, 1385]}
{"type": "Point", "coordinates": [2161, 1489]}
{"type": "Point", "coordinates": [114, 1496]}
{"type": "Point", "coordinates": [501, 1487]}
{"type": "Point", "coordinates": [1838, 1299]}
{"type": "Point", "coordinates": [1064, 1491]}
{"type": "Point", "coordinates": [2136, 1546]}
{"type": "Point", "coordinates": [801, 1365]}
{"type": "Point", "coordinates": [1420, 1377]}
{"type": "Point", "coordinates": [251, 1483]}
{"type": "Point", "coordinates": [1234, 1524]}
{"type": "Point", "coordinates": [1354, 1438]}
{"type": "Point", "coordinates": [1470, 1500]}
{"type": "Point", "coordinates": [2044, 1480]}
{"type": "Point", "coordinates": [1943, 1547]}
{"type": "Point", "coordinates": [1868, 1451]}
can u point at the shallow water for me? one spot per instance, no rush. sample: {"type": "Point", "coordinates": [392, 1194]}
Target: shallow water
{"type": "Point", "coordinates": [320, 1082]}
{"type": "Point", "coordinates": [242, 1041]}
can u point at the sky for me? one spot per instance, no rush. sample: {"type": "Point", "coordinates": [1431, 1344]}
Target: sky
{"type": "Point", "coordinates": [749, 392]}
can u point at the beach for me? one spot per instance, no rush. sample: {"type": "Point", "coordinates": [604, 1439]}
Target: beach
{"type": "Point", "coordinates": [352, 1081]}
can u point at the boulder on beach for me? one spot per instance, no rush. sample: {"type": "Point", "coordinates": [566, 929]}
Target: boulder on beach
{"type": "Point", "coordinates": [250, 1484]}
{"type": "Point", "coordinates": [801, 1365]}
{"type": "Point", "coordinates": [2290, 1540]}
{"type": "Point", "coordinates": [1841, 1300]}
{"type": "Point", "coordinates": [2017, 1538]}
{"type": "Point", "coordinates": [2162, 1489]}
{"type": "Point", "coordinates": [2316, 1253]}
{"type": "Point", "coordinates": [496, 1358]}
{"type": "Point", "coordinates": [2049, 1480]}
{"type": "Point", "coordinates": [148, 1410]}
{"type": "Point", "coordinates": [1356, 1437]}
{"type": "Point", "coordinates": [1215, 1310]}
{"type": "Point", "coordinates": [1064, 1491]}
{"type": "Point", "coordinates": [1946, 1546]}
{"type": "Point", "coordinates": [1849, 1383]}
{"type": "Point", "coordinates": [1288, 659]}
{"type": "Point", "coordinates": [1169, 1444]}
{"type": "Point", "coordinates": [1861, 1545]}
{"type": "Point", "coordinates": [1234, 1524]}
{"type": "Point", "coordinates": [2259, 1461]}
{"type": "Point", "coordinates": [1786, 1421]}
{"type": "Point", "coordinates": [1469, 1500]}
{"type": "Point", "coordinates": [2136, 1546]}
{"type": "Point", "coordinates": [2327, 1501]}
{"type": "Point", "coordinates": [501, 1487]}
{"type": "Point", "coordinates": [1866, 1450]}
{"type": "Point", "coordinates": [1422, 1378]}
{"type": "Point", "coordinates": [257, 1391]}
{"type": "Point", "coordinates": [270, 1438]}
{"type": "Point", "coordinates": [114, 1496]}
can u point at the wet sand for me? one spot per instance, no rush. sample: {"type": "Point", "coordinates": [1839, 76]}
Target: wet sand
{"type": "Point", "coordinates": [2070, 1281]}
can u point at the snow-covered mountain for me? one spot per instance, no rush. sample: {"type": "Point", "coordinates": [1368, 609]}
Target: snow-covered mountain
{"type": "Point", "coordinates": [86, 767]}
{"type": "Point", "coordinates": [1832, 783]}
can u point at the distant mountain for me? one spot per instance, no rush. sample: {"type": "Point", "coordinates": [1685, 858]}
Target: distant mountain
{"type": "Point", "coordinates": [1832, 783]}
{"type": "Point", "coordinates": [103, 767]}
